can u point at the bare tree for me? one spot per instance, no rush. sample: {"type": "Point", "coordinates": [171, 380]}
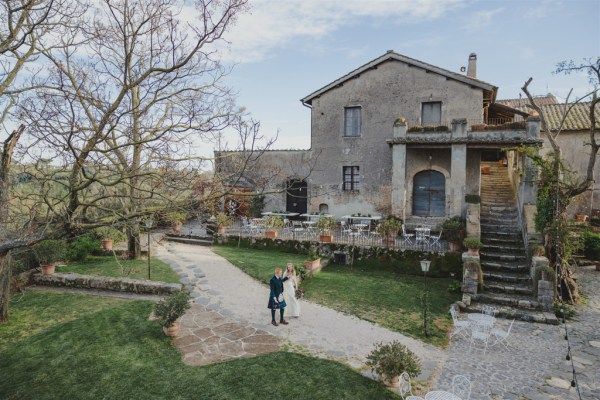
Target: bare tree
{"type": "Point", "coordinates": [561, 187]}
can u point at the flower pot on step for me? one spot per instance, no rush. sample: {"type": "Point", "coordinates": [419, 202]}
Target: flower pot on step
{"type": "Point", "coordinates": [271, 234]}
{"type": "Point", "coordinates": [48, 269]}
{"type": "Point", "coordinates": [485, 169]}
{"type": "Point", "coordinates": [172, 330]}
{"type": "Point", "coordinates": [107, 244]}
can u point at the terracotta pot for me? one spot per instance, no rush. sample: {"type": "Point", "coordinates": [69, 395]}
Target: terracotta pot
{"type": "Point", "coordinates": [485, 169]}
{"type": "Point", "coordinates": [271, 234]}
{"type": "Point", "coordinates": [107, 244]}
{"type": "Point", "coordinates": [581, 217]}
{"type": "Point", "coordinates": [312, 264]}
{"type": "Point", "coordinates": [221, 229]}
{"type": "Point", "coordinates": [48, 269]}
{"type": "Point", "coordinates": [172, 330]}
{"type": "Point", "coordinates": [393, 383]}
{"type": "Point", "coordinates": [598, 267]}
{"type": "Point", "coordinates": [454, 246]}
{"type": "Point", "coordinates": [177, 228]}
{"type": "Point", "coordinates": [326, 238]}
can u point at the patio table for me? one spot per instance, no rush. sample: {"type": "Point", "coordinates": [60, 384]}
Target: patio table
{"type": "Point", "coordinates": [481, 319]}
{"type": "Point", "coordinates": [422, 234]}
{"type": "Point", "coordinates": [441, 395]}
{"type": "Point", "coordinates": [290, 214]}
{"type": "Point", "coordinates": [315, 216]}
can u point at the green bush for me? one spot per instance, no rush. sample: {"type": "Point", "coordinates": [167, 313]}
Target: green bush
{"type": "Point", "coordinates": [108, 232]}
{"type": "Point", "coordinates": [591, 244]}
{"type": "Point", "coordinates": [453, 229]}
{"type": "Point", "coordinates": [79, 249]}
{"type": "Point", "coordinates": [171, 308]}
{"type": "Point", "coordinates": [393, 358]}
{"type": "Point", "coordinates": [472, 199]}
{"type": "Point", "coordinates": [50, 251]}
{"type": "Point", "coordinates": [472, 243]}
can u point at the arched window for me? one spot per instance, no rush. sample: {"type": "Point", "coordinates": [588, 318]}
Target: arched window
{"type": "Point", "coordinates": [429, 194]}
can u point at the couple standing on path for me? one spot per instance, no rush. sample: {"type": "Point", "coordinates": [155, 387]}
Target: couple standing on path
{"type": "Point", "coordinates": [283, 294]}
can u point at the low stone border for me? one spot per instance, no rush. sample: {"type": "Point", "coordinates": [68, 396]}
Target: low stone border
{"type": "Point", "coordinates": [105, 283]}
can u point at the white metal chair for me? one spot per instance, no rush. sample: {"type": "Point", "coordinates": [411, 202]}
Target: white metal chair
{"type": "Point", "coordinates": [488, 310]}
{"type": "Point", "coordinates": [461, 386]}
{"type": "Point", "coordinates": [482, 333]}
{"type": "Point", "coordinates": [407, 236]}
{"type": "Point", "coordinates": [404, 385]}
{"type": "Point", "coordinates": [435, 238]}
{"type": "Point", "coordinates": [502, 335]}
{"type": "Point", "coordinates": [460, 326]}
{"type": "Point", "coordinates": [345, 229]}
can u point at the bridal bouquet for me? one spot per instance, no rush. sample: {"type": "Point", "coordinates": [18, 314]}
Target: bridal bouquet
{"type": "Point", "coordinates": [299, 293]}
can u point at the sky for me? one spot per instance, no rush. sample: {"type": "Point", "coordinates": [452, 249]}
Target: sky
{"type": "Point", "coordinates": [283, 50]}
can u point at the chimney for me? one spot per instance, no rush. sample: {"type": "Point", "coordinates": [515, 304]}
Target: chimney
{"type": "Point", "coordinates": [472, 68]}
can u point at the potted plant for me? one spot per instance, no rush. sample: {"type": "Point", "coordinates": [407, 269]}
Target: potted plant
{"type": "Point", "coordinates": [391, 359]}
{"type": "Point", "coordinates": [272, 224]}
{"type": "Point", "coordinates": [485, 169]}
{"type": "Point", "coordinates": [108, 235]}
{"type": "Point", "coordinates": [388, 229]}
{"type": "Point", "coordinates": [222, 220]}
{"type": "Point", "coordinates": [453, 232]}
{"type": "Point", "coordinates": [48, 253]}
{"type": "Point", "coordinates": [326, 225]}
{"type": "Point", "coordinates": [170, 309]}
{"type": "Point", "coordinates": [473, 244]}
{"type": "Point", "coordinates": [176, 219]}
{"type": "Point", "coordinates": [581, 217]}
{"type": "Point", "coordinates": [313, 262]}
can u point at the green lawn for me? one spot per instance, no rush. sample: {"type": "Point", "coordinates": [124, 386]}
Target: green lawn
{"type": "Point", "coordinates": [377, 292]}
{"type": "Point", "coordinates": [64, 346]}
{"type": "Point", "coordinates": [136, 269]}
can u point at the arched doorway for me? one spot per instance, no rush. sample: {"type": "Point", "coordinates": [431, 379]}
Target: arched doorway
{"type": "Point", "coordinates": [296, 196]}
{"type": "Point", "coordinates": [429, 194]}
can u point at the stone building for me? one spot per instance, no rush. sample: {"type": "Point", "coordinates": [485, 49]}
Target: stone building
{"type": "Point", "coordinates": [394, 136]}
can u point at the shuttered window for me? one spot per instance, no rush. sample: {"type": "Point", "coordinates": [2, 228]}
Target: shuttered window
{"type": "Point", "coordinates": [429, 194]}
{"type": "Point", "coordinates": [431, 114]}
{"type": "Point", "coordinates": [351, 178]}
{"type": "Point", "coordinates": [352, 121]}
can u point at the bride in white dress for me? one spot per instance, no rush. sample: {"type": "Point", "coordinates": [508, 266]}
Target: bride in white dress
{"type": "Point", "coordinates": [289, 292]}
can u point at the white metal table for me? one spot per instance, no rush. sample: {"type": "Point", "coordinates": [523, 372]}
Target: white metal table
{"type": "Point", "coordinates": [422, 234]}
{"type": "Point", "coordinates": [441, 395]}
{"type": "Point", "coordinates": [481, 319]}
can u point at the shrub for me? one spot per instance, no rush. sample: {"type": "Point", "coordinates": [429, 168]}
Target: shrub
{"type": "Point", "coordinates": [222, 219]}
{"type": "Point", "coordinates": [325, 224]}
{"type": "Point", "coordinates": [393, 358]}
{"type": "Point", "coordinates": [274, 222]}
{"type": "Point", "coordinates": [472, 243]}
{"type": "Point", "coordinates": [50, 251]}
{"type": "Point", "coordinates": [171, 308]}
{"type": "Point", "coordinates": [79, 249]}
{"type": "Point", "coordinates": [453, 229]}
{"type": "Point", "coordinates": [108, 233]}
{"type": "Point", "coordinates": [591, 243]}
{"type": "Point", "coordinates": [390, 227]}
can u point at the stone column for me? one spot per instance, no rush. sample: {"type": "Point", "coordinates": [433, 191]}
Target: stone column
{"type": "Point", "coordinates": [399, 171]}
{"type": "Point", "coordinates": [545, 291]}
{"type": "Point", "coordinates": [458, 177]}
{"type": "Point", "coordinates": [471, 276]}
{"type": "Point", "coordinates": [528, 185]}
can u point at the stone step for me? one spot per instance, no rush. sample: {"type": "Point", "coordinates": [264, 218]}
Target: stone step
{"type": "Point", "coordinates": [495, 209]}
{"type": "Point", "coordinates": [503, 266]}
{"type": "Point", "coordinates": [499, 227]}
{"type": "Point", "coordinates": [513, 300]}
{"type": "Point", "coordinates": [498, 276]}
{"type": "Point", "coordinates": [497, 247]}
{"type": "Point", "coordinates": [519, 314]}
{"type": "Point", "coordinates": [501, 236]}
{"type": "Point", "coordinates": [505, 256]}
{"type": "Point", "coordinates": [499, 220]}
{"type": "Point", "coordinates": [507, 288]}
{"type": "Point", "coordinates": [183, 239]}
{"type": "Point", "coordinates": [500, 240]}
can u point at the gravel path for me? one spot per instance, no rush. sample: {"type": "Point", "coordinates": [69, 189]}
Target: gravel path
{"type": "Point", "coordinates": [219, 285]}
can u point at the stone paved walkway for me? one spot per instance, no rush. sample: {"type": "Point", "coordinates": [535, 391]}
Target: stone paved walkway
{"type": "Point", "coordinates": [220, 286]}
{"type": "Point", "coordinates": [534, 367]}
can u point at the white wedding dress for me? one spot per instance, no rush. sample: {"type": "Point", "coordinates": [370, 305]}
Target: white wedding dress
{"type": "Point", "coordinates": [292, 308]}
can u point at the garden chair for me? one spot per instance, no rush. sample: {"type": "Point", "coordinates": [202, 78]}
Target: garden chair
{"type": "Point", "coordinates": [460, 326]}
{"type": "Point", "coordinates": [502, 335]}
{"type": "Point", "coordinates": [298, 229]}
{"type": "Point", "coordinates": [404, 385]}
{"type": "Point", "coordinates": [482, 333]}
{"type": "Point", "coordinates": [435, 239]}
{"type": "Point", "coordinates": [406, 236]}
{"type": "Point", "coordinates": [461, 386]}
{"type": "Point", "coordinates": [488, 310]}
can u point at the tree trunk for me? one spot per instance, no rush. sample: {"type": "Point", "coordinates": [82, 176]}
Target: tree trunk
{"type": "Point", "coordinates": [133, 244]}
{"type": "Point", "coordinates": [5, 276]}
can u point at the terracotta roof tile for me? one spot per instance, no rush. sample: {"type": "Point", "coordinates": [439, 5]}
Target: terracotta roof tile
{"type": "Point", "coordinates": [522, 103]}
{"type": "Point", "coordinates": [577, 119]}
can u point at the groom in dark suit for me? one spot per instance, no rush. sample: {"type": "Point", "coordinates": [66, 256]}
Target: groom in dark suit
{"type": "Point", "coordinates": [276, 300]}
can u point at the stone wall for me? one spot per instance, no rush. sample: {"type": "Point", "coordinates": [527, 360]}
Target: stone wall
{"type": "Point", "coordinates": [79, 281]}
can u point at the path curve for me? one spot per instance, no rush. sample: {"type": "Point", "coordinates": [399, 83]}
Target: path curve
{"type": "Point", "coordinates": [221, 286]}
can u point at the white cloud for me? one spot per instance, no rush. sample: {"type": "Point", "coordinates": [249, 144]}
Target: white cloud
{"type": "Point", "coordinates": [271, 25]}
{"type": "Point", "coordinates": [481, 20]}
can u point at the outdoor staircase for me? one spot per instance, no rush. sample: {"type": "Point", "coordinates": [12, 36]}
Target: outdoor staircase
{"type": "Point", "coordinates": [506, 278]}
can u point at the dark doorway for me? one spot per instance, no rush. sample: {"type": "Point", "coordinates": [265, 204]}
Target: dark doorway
{"type": "Point", "coordinates": [429, 194]}
{"type": "Point", "coordinates": [492, 155]}
{"type": "Point", "coordinates": [296, 196]}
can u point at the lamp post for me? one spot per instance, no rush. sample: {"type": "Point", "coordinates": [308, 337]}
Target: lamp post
{"type": "Point", "coordinates": [148, 223]}
{"type": "Point", "coordinates": [425, 268]}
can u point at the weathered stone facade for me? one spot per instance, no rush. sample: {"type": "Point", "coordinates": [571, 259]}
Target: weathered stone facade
{"type": "Point", "coordinates": [364, 156]}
